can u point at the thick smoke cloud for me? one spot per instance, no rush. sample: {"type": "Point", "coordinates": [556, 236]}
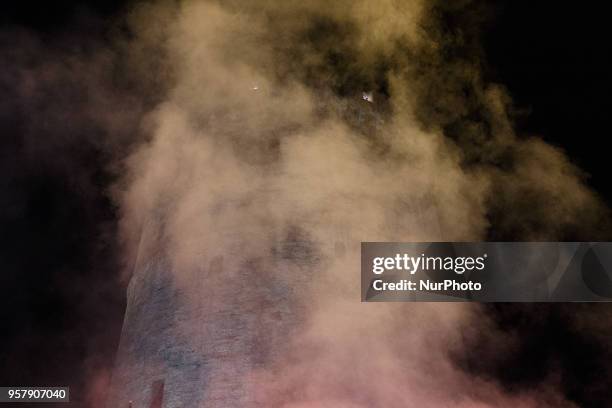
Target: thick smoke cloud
{"type": "Point", "coordinates": [237, 130]}
{"type": "Point", "coordinates": [263, 138]}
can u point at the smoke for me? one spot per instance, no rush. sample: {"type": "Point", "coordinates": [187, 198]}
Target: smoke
{"type": "Point", "coordinates": [263, 139]}
{"type": "Point", "coordinates": [63, 118]}
{"type": "Point", "coordinates": [249, 166]}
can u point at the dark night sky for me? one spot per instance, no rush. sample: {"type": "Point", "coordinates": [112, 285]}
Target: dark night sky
{"type": "Point", "coordinates": [61, 301]}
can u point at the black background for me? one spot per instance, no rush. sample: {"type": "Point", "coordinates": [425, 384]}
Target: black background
{"type": "Point", "coordinates": [61, 299]}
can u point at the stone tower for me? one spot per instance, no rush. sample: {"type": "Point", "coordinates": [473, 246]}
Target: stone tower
{"type": "Point", "coordinates": [195, 345]}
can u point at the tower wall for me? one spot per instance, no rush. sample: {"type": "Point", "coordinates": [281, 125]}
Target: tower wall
{"type": "Point", "coordinates": [199, 343]}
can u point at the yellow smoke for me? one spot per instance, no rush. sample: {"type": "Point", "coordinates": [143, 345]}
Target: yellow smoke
{"type": "Point", "coordinates": [261, 132]}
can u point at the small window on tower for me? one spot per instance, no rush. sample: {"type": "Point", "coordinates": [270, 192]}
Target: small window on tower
{"type": "Point", "coordinates": [157, 394]}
